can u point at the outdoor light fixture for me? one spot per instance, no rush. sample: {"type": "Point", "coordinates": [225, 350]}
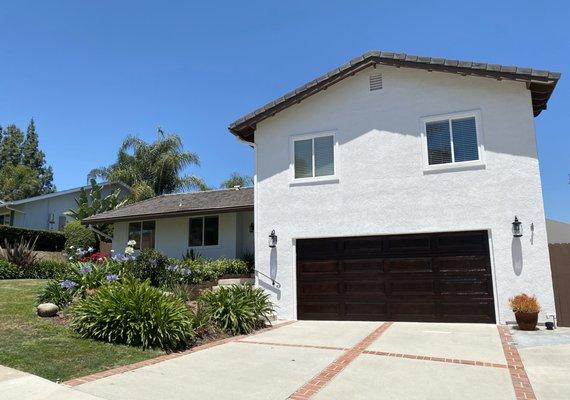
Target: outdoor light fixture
{"type": "Point", "coordinates": [517, 228]}
{"type": "Point", "coordinates": [272, 239]}
{"type": "Point", "coordinates": [251, 228]}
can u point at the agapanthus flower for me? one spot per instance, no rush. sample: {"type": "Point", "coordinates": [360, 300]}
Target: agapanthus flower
{"type": "Point", "coordinates": [68, 284]}
{"type": "Point", "coordinates": [131, 243]}
{"type": "Point", "coordinates": [112, 278]}
{"type": "Point", "coordinates": [171, 267]}
{"type": "Point", "coordinates": [186, 271]}
{"type": "Point", "coordinates": [129, 250]}
{"type": "Point", "coordinates": [85, 269]}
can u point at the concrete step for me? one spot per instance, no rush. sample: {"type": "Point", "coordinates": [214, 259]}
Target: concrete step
{"type": "Point", "coordinates": [234, 281]}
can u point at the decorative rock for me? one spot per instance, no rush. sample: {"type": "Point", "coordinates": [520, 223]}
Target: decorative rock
{"type": "Point", "coordinates": [47, 310]}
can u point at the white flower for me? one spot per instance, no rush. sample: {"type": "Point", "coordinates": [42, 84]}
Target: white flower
{"type": "Point", "coordinates": [131, 243]}
{"type": "Point", "coordinates": [129, 250]}
{"type": "Point", "coordinates": [70, 258]}
{"type": "Point", "coordinates": [112, 251]}
{"type": "Point", "coordinates": [71, 247]}
{"type": "Point", "coordinates": [90, 249]}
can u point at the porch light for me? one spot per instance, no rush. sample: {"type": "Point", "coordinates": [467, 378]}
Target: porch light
{"type": "Point", "coordinates": [517, 228]}
{"type": "Point", "coordinates": [272, 239]}
{"type": "Point", "coordinates": [251, 228]}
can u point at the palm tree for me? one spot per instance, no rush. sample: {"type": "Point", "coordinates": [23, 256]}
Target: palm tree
{"type": "Point", "coordinates": [152, 168]}
{"type": "Point", "coordinates": [236, 179]}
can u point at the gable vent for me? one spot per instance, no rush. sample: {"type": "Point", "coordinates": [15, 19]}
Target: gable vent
{"type": "Point", "coordinates": [375, 82]}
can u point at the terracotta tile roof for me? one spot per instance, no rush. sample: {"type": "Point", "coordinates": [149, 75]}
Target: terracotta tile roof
{"type": "Point", "coordinates": [541, 83]}
{"type": "Point", "coordinates": [172, 205]}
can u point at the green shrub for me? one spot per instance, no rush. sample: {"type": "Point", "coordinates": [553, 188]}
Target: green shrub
{"type": "Point", "coordinates": [50, 269]}
{"type": "Point", "coordinates": [151, 264]}
{"type": "Point", "coordinates": [54, 292]}
{"type": "Point", "coordinates": [202, 270]}
{"type": "Point", "coordinates": [237, 309]}
{"type": "Point", "coordinates": [46, 240]}
{"type": "Point", "coordinates": [9, 270]}
{"type": "Point", "coordinates": [133, 313]}
{"type": "Point", "coordinates": [78, 236]}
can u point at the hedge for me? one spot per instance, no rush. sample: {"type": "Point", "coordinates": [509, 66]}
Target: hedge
{"type": "Point", "coordinates": [47, 240]}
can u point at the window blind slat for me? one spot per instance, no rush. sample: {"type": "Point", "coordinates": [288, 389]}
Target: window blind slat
{"type": "Point", "coordinates": [464, 139]}
{"type": "Point", "coordinates": [324, 156]}
{"type": "Point", "coordinates": [438, 142]}
{"type": "Point", "coordinates": [303, 158]}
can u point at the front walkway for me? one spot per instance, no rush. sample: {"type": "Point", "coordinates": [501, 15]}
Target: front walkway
{"type": "Point", "coordinates": [336, 360]}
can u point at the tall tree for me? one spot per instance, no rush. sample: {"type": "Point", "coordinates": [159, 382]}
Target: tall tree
{"type": "Point", "coordinates": [11, 146]}
{"type": "Point", "coordinates": [158, 166]}
{"type": "Point", "coordinates": [34, 158]}
{"type": "Point", "coordinates": [236, 179]}
{"type": "Point", "coordinates": [18, 182]}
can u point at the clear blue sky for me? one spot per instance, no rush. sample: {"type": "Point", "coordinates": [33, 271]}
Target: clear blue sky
{"type": "Point", "coordinates": [92, 72]}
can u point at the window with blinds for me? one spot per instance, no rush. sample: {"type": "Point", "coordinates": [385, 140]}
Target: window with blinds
{"type": "Point", "coordinates": [314, 157]}
{"type": "Point", "coordinates": [452, 140]}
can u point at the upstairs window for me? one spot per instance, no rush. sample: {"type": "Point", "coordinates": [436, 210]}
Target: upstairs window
{"type": "Point", "coordinates": [203, 231]}
{"type": "Point", "coordinates": [143, 234]}
{"type": "Point", "coordinates": [452, 140]}
{"type": "Point", "coordinates": [313, 157]}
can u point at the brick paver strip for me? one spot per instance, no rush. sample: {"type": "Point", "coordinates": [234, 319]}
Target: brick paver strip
{"type": "Point", "coordinates": [521, 383]}
{"type": "Point", "coordinates": [152, 361]}
{"type": "Point", "coordinates": [319, 381]}
{"type": "Point", "coordinates": [436, 359]}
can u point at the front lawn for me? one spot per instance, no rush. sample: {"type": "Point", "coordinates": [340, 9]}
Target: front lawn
{"type": "Point", "coordinates": [46, 346]}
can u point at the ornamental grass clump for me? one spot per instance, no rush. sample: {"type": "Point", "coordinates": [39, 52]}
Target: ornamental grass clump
{"type": "Point", "coordinates": [135, 314]}
{"type": "Point", "coordinates": [237, 309]}
{"type": "Point", "coordinates": [524, 303]}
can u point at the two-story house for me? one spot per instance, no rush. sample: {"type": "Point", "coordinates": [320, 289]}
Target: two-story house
{"type": "Point", "coordinates": [402, 188]}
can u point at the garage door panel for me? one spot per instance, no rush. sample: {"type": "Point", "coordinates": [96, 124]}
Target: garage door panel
{"type": "Point", "coordinates": [364, 287]}
{"type": "Point", "coordinates": [365, 310]}
{"type": "Point", "coordinates": [319, 267]}
{"type": "Point", "coordinates": [407, 244]}
{"type": "Point", "coordinates": [429, 277]}
{"type": "Point", "coordinates": [409, 265]}
{"type": "Point", "coordinates": [362, 266]}
{"type": "Point", "coordinates": [417, 287]}
{"type": "Point", "coordinates": [465, 286]}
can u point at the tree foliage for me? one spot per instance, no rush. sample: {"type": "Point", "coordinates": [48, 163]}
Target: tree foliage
{"type": "Point", "coordinates": [236, 179]}
{"type": "Point", "coordinates": [153, 168]}
{"type": "Point", "coordinates": [92, 203]}
{"type": "Point", "coordinates": [23, 169]}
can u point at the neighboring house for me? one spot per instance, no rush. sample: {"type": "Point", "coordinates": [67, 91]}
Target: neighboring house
{"type": "Point", "coordinates": [558, 231]}
{"type": "Point", "coordinates": [392, 184]}
{"type": "Point", "coordinates": [215, 223]}
{"type": "Point", "coordinates": [47, 211]}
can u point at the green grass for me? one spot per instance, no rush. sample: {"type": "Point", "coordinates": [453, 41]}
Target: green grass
{"type": "Point", "coordinates": [46, 346]}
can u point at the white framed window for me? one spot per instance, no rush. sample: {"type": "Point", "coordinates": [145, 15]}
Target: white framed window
{"type": "Point", "coordinates": [5, 219]}
{"type": "Point", "coordinates": [142, 233]}
{"type": "Point", "coordinates": [452, 140]}
{"type": "Point", "coordinates": [204, 231]}
{"type": "Point", "coordinates": [314, 157]}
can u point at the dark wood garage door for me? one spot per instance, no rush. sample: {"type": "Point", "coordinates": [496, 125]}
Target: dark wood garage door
{"type": "Point", "coordinates": [430, 277]}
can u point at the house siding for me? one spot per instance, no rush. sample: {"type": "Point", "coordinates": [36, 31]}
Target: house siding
{"type": "Point", "coordinates": [382, 187]}
{"type": "Point", "coordinates": [171, 236]}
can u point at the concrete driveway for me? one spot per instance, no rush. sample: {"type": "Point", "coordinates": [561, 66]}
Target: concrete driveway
{"type": "Point", "coordinates": [336, 360]}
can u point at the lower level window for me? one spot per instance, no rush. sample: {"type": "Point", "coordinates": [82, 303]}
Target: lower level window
{"type": "Point", "coordinates": [143, 234]}
{"type": "Point", "coordinates": [4, 219]}
{"type": "Point", "coordinates": [203, 231]}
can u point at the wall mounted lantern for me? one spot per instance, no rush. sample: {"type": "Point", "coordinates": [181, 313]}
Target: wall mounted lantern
{"type": "Point", "coordinates": [517, 228]}
{"type": "Point", "coordinates": [272, 239]}
{"type": "Point", "coordinates": [251, 228]}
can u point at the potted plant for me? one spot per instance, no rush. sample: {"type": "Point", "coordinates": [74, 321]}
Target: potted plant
{"type": "Point", "coordinates": [526, 309]}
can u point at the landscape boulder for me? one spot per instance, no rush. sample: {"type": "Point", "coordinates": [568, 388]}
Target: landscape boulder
{"type": "Point", "coordinates": [47, 310]}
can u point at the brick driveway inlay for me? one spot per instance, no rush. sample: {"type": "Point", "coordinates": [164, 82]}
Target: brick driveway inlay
{"type": "Point", "coordinates": [521, 383]}
{"type": "Point", "coordinates": [321, 379]}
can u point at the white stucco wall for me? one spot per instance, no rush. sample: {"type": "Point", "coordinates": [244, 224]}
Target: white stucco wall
{"type": "Point", "coordinates": [171, 236]}
{"type": "Point", "coordinates": [35, 214]}
{"type": "Point", "coordinates": [382, 187]}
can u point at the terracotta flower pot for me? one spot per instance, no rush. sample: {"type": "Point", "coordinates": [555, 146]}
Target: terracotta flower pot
{"type": "Point", "coordinates": [526, 320]}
